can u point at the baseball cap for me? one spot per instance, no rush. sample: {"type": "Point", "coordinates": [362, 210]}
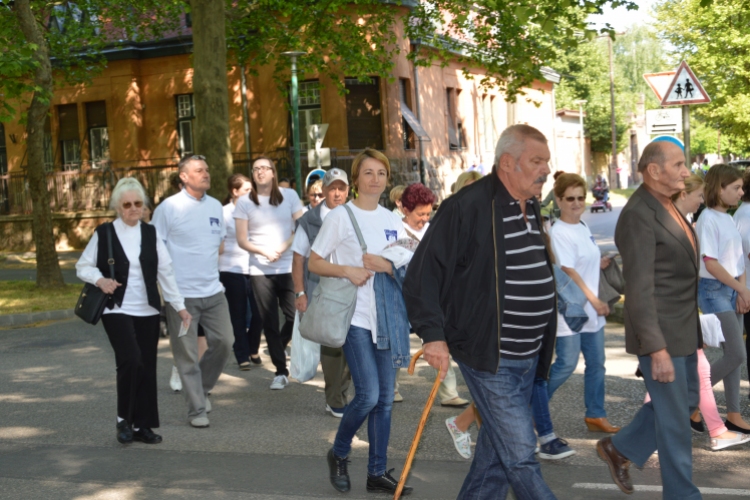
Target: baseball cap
{"type": "Point", "coordinates": [335, 174]}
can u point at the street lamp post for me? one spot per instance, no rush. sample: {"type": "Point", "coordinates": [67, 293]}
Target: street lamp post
{"type": "Point", "coordinates": [580, 103]}
{"type": "Point", "coordinates": [293, 55]}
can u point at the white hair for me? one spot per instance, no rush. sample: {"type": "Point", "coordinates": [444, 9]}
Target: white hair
{"type": "Point", "coordinates": [125, 185]}
{"type": "Point", "coordinates": [512, 140]}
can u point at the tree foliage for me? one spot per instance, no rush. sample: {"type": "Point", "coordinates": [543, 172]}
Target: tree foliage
{"type": "Point", "coordinates": [712, 37]}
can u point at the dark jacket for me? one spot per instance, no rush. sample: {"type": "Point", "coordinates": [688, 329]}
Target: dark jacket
{"type": "Point", "coordinates": [660, 267]}
{"type": "Point", "coordinates": [311, 222]}
{"type": "Point", "coordinates": [455, 284]}
{"type": "Point", "coordinates": [149, 259]}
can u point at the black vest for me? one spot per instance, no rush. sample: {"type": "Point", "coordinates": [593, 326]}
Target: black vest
{"type": "Point", "coordinates": [311, 222]}
{"type": "Point", "coordinates": [149, 260]}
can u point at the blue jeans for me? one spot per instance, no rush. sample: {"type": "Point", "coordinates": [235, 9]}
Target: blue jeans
{"type": "Point", "coordinates": [373, 375]}
{"type": "Point", "coordinates": [663, 424]}
{"type": "Point", "coordinates": [540, 408]}
{"type": "Point", "coordinates": [715, 297]}
{"type": "Point", "coordinates": [567, 350]}
{"type": "Point", "coordinates": [504, 456]}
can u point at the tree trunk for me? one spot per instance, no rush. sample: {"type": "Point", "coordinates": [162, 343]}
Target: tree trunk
{"type": "Point", "coordinates": [211, 92]}
{"type": "Point", "coordinates": [48, 274]}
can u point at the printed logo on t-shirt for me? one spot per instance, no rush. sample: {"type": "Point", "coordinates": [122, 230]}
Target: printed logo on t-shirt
{"type": "Point", "coordinates": [592, 240]}
{"type": "Point", "coordinates": [211, 222]}
{"type": "Point", "coordinates": [391, 235]}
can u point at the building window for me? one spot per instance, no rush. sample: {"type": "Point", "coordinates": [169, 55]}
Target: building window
{"type": "Point", "coordinates": [70, 140]}
{"type": "Point", "coordinates": [363, 115]}
{"type": "Point", "coordinates": [49, 151]}
{"type": "Point", "coordinates": [407, 134]}
{"type": "Point", "coordinates": [454, 138]}
{"type": "Point", "coordinates": [96, 119]}
{"type": "Point", "coordinates": [310, 113]}
{"type": "Point", "coordinates": [3, 153]}
{"type": "Point", "coordinates": [488, 119]}
{"type": "Point", "coordinates": [185, 116]}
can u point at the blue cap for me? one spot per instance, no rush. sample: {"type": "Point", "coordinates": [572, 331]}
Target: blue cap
{"type": "Point", "coordinates": [669, 138]}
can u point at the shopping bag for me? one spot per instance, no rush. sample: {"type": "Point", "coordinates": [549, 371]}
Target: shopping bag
{"type": "Point", "coordinates": [305, 355]}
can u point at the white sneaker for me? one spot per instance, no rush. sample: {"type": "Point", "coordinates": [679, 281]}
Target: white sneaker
{"type": "Point", "coordinates": [174, 381]}
{"type": "Point", "coordinates": [462, 440]}
{"type": "Point", "coordinates": [279, 382]}
{"type": "Point", "coordinates": [199, 422]}
{"type": "Point", "coordinates": [719, 444]}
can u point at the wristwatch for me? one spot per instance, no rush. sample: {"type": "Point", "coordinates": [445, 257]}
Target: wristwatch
{"type": "Point", "coordinates": [299, 294]}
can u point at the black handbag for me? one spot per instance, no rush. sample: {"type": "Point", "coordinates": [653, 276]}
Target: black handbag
{"type": "Point", "coordinates": [92, 300]}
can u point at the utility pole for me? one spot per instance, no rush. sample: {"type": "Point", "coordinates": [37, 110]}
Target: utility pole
{"type": "Point", "coordinates": [295, 120]}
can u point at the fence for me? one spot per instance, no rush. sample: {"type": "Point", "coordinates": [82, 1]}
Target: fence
{"type": "Point", "coordinates": [90, 190]}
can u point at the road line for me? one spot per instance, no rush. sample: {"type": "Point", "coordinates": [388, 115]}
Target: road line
{"type": "Point", "coordinates": [637, 488]}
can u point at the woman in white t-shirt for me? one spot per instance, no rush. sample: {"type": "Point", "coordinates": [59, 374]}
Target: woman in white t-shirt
{"type": "Point", "coordinates": [264, 220]}
{"type": "Point", "coordinates": [579, 256]}
{"type": "Point", "coordinates": [372, 369]}
{"type": "Point", "coordinates": [721, 287]}
{"type": "Point", "coordinates": [234, 274]}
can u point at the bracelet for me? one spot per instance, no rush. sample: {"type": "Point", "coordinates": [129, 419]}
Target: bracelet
{"type": "Point", "coordinates": [299, 294]}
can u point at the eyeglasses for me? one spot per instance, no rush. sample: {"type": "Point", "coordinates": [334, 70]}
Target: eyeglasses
{"type": "Point", "coordinates": [261, 168]}
{"type": "Point", "coordinates": [571, 199]}
{"type": "Point", "coordinates": [127, 204]}
{"type": "Point", "coordinates": [317, 195]}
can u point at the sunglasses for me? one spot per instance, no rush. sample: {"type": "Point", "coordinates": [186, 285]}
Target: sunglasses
{"type": "Point", "coordinates": [317, 195]}
{"type": "Point", "coordinates": [127, 204]}
{"type": "Point", "coordinates": [198, 157]}
{"type": "Point", "coordinates": [571, 199]}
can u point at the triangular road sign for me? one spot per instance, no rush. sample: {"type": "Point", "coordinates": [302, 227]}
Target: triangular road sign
{"type": "Point", "coordinates": [685, 89]}
{"type": "Point", "coordinates": [659, 82]}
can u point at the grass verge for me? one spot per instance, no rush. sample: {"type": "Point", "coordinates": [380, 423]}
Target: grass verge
{"type": "Point", "coordinates": [625, 192]}
{"type": "Point", "coordinates": [24, 297]}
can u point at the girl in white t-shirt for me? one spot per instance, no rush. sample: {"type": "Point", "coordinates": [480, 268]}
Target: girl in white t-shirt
{"type": "Point", "coordinates": [579, 256]}
{"type": "Point", "coordinates": [721, 288]}
{"type": "Point", "coordinates": [372, 369]}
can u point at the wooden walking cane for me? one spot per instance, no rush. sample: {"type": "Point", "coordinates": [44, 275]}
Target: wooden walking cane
{"type": "Point", "coordinates": [420, 427]}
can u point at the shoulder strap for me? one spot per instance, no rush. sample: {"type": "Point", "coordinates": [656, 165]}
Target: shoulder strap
{"type": "Point", "coordinates": [110, 253]}
{"type": "Point", "coordinates": [356, 229]}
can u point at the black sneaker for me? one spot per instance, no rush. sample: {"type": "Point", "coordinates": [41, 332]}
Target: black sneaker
{"type": "Point", "coordinates": [146, 435]}
{"type": "Point", "coordinates": [124, 432]}
{"type": "Point", "coordinates": [385, 484]}
{"type": "Point", "coordinates": [339, 473]}
{"type": "Point", "coordinates": [698, 426]}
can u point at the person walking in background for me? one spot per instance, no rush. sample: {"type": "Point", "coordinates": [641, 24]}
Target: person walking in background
{"type": "Point", "coordinates": [131, 317]}
{"type": "Point", "coordinates": [373, 368]}
{"type": "Point", "coordinates": [660, 265]}
{"type": "Point", "coordinates": [722, 289]}
{"type": "Point", "coordinates": [335, 370]}
{"type": "Point", "coordinates": [577, 253]}
{"type": "Point", "coordinates": [234, 274]}
{"type": "Point", "coordinates": [395, 196]}
{"type": "Point", "coordinates": [265, 228]}
{"type": "Point", "coordinates": [191, 223]}
{"type": "Point", "coordinates": [486, 242]}
{"type": "Point", "coordinates": [742, 221]}
{"type": "Point", "coordinates": [314, 194]}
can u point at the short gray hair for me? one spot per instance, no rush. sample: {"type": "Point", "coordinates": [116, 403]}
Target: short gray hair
{"type": "Point", "coordinates": [653, 153]}
{"type": "Point", "coordinates": [512, 139]}
{"type": "Point", "coordinates": [125, 185]}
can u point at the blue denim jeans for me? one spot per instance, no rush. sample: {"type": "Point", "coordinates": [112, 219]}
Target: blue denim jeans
{"type": "Point", "coordinates": [373, 376]}
{"type": "Point", "coordinates": [504, 456]}
{"type": "Point", "coordinates": [568, 350]}
{"type": "Point", "coordinates": [540, 408]}
{"type": "Point", "coordinates": [715, 297]}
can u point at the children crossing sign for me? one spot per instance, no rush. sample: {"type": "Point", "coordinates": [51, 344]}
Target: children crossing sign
{"type": "Point", "coordinates": [685, 89]}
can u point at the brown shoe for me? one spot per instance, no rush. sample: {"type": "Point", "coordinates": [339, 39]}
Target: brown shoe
{"type": "Point", "coordinates": [600, 425]}
{"type": "Point", "coordinates": [618, 465]}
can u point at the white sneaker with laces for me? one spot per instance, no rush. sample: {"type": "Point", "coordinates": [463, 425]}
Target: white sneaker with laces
{"type": "Point", "coordinates": [719, 444]}
{"type": "Point", "coordinates": [279, 382]}
{"type": "Point", "coordinates": [461, 440]}
{"type": "Point", "coordinates": [174, 381]}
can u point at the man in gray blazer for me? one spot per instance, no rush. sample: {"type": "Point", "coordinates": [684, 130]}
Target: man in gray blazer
{"type": "Point", "coordinates": [660, 265]}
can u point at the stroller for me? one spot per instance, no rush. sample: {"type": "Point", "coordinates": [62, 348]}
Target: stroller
{"type": "Point", "coordinates": [601, 195]}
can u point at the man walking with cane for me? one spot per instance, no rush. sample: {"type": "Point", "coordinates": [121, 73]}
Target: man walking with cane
{"type": "Point", "coordinates": [486, 241]}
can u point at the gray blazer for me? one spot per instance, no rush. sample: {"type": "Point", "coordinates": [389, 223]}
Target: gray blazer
{"type": "Point", "coordinates": [661, 279]}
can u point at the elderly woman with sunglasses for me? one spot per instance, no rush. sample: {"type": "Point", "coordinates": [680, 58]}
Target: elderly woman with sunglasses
{"type": "Point", "coordinates": [131, 317]}
{"type": "Point", "coordinates": [579, 256]}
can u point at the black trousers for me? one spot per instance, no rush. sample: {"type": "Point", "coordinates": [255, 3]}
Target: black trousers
{"type": "Point", "coordinates": [239, 295]}
{"type": "Point", "coordinates": [135, 340]}
{"type": "Point", "coordinates": [271, 292]}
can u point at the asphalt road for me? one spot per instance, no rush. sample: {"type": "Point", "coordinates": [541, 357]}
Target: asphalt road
{"type": "Point", "coordinates": [57, 439]}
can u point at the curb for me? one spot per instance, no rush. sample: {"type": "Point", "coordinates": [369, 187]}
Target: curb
{"type": "Point", "coordinates": [27, 318]}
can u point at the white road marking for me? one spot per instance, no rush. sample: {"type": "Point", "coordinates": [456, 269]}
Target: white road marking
{"type": "Point", "coordinates": [637, 488]}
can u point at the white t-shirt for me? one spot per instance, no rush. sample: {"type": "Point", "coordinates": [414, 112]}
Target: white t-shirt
{"type": "Point", "coordinates": [419, 234]}
{"type": "Point", "coordinates": [193, 231]}
{"type": "Point", "coordinates": [270, 227]}
{"type": "Point", "coordinates": [338, 240]}
{"type": "Point", "coordinates": [742, 221]}
{"type": "Point", "coordinates": [301, 243]}
{"type": "Point", "coordinates": [574, 247]}
{"type": "Point", "coordinates": [719, 239]}
{"type": "Point", "coordinates": [234, 259]}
